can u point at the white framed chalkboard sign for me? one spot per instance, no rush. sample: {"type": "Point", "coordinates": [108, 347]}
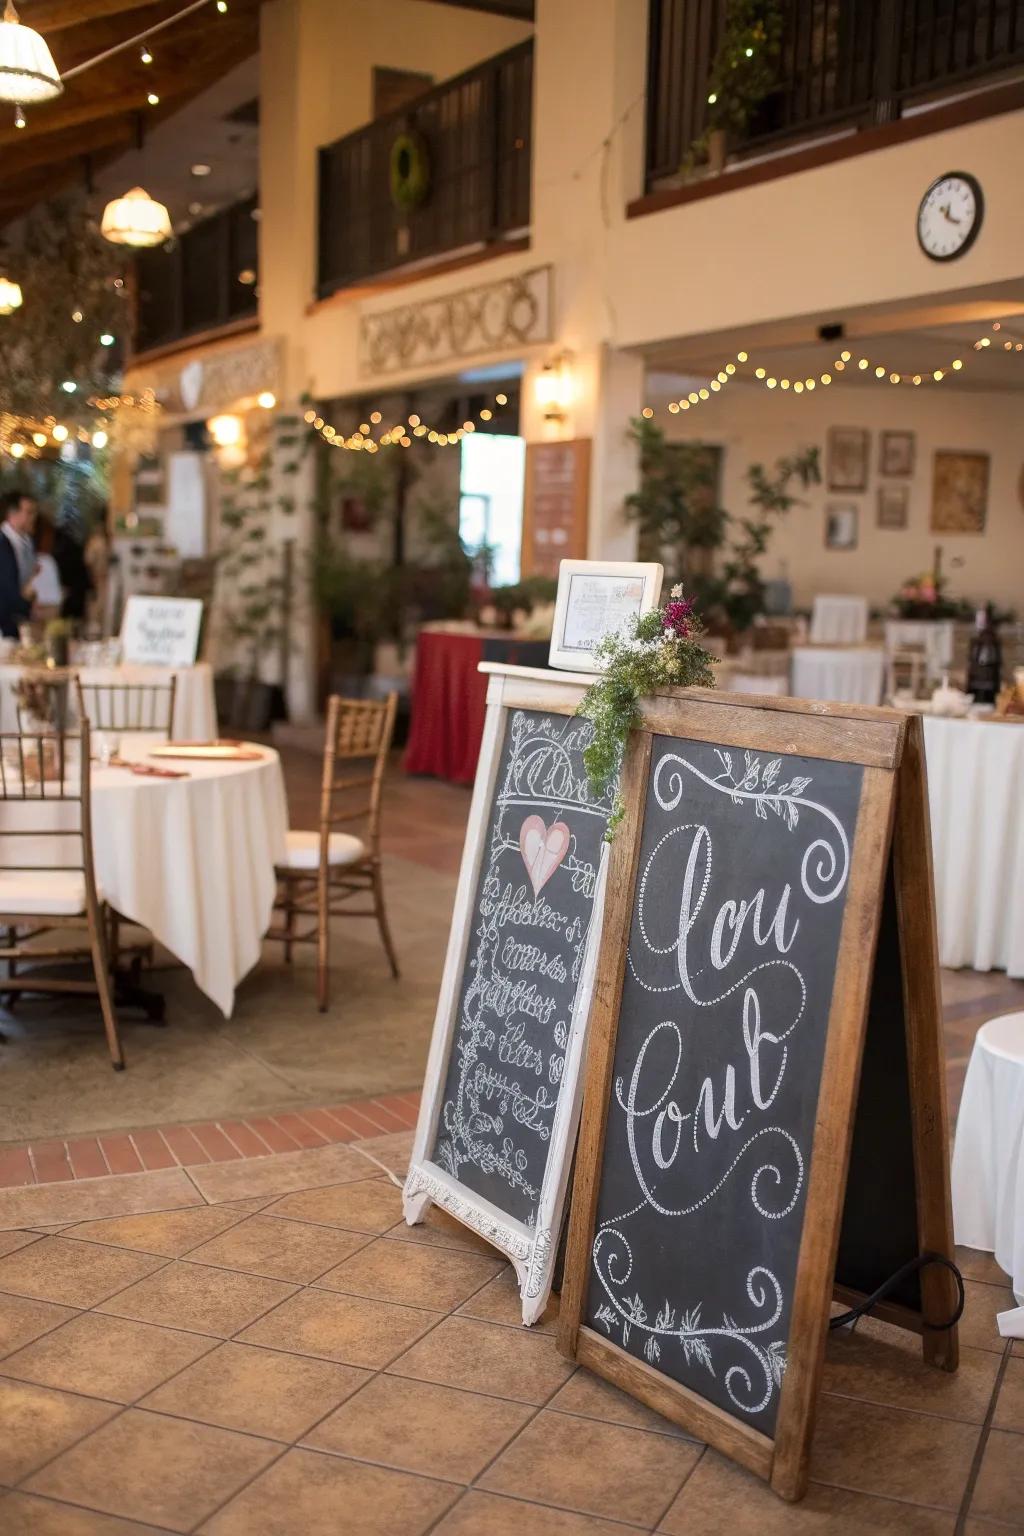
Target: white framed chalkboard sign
{"type": "Point", "coordinates": [596, 598]}
{"type": "Point", "coordinates": [161, 631]}
{"type": "Point", "coordinates": [764, 1120]}
{"type": "Point", "coordinates": [500, 1104]}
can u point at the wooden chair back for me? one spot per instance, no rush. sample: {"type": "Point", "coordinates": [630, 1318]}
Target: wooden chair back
{"type": "Point", "coordinates": [358, 731]}
{"type": "Point", "coordinates": [128, 707]}
{"type": "Point", "coordinates": [39, 770]}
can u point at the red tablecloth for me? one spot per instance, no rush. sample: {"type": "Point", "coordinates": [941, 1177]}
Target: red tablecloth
{"type": "Point", "coordinates": [449, 699]}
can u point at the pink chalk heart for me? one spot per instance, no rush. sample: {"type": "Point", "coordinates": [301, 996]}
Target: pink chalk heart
{"type": "Point", "coordinates": [543, 849]}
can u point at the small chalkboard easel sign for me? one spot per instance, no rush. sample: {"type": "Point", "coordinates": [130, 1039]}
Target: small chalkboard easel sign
{"type": "Point", "coordinates": [764, 1119]}
{"type": "Point", "coordinates": [500, 1105]}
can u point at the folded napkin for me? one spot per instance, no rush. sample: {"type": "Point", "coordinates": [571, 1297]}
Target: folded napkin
{"type": "Point", "coordinates": [149, 770]}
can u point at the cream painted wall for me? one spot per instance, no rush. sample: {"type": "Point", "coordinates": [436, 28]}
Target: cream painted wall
{"type": "Point", "coordinates": [752, 425]}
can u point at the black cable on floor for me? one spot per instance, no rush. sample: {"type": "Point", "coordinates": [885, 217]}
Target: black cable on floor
{"type": "Point", "coordinates": [913, 1266]}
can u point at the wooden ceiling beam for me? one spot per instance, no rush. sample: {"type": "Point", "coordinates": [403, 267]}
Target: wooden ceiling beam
{"type": "Point", "coordinates": [49, 16]}
{"type": "Point", "coordinates": [72, 141]}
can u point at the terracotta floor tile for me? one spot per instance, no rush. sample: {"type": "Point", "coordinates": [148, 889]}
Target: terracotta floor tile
{"type": "Point", "coordinates": [502, 1302]}
{"type": "Point", "coordinates": [282, 1250]}
{"type": "Point", "coordinates": [11, 1241]}
{"type": "Point", "coordinates": [974, 1264]}
{"type": "Point", "coordinates": [277, 1175]}
{"type": "Point", "coordinates": [888, 1368]}
{"type": "Point", "coordinates": [370, 1205]}
{"type": "Point", "coordinates": [486, 1357]}
{"type": "Point", "coordinates": [260, 1391]}
{"type": "Point", "coordinates": [418, 1427]}
{"type": "Point", "coordinates": [71, 1274]}
{"type": "Point", "coordinates": [393, 1151]}
{"type": "Point", "coordinates": [26, 1514]}
{"type": "Point", "coordinates": [142, 1466]}
{"type": "Point", "coordinates": [1009, 1412]}
{"type": "Point", "coordinates": [106, 1357]}
{"type": "Point", "coordinates": [891, 1453]}
{"type": "Point", "coordinates": [978, 1325]}
{"type": "Point", "coordinates": [423, 1277]}
{"type": "Point", "coordinates": [491, 1514]}
{"type": "Point", "coordinates": [89, 1199]}
{"type": "Point", "coordinates": [199, 1298]}
{"type": "Point", "coordinates": [326, 1496]}
{"type": "Point", "coordinates": [345, 1328]}
{"type": "Point", "coordinates": [38, 1423]}
{"type": "Point", "coordinates": [168, 1233]}
{"type": "Point", "coordinates": [439, 1230]}
{"type": "Point", "coordinates": [22, 1320]}
{"type": "Point", "coordinates": [999, 1491]}
{"type": "Point", "coordinates": [587, 1396]}
{"type": "Point", "coordinates": [721, 1499]}
{"type": "Point", "coordinates": [595, 1468]}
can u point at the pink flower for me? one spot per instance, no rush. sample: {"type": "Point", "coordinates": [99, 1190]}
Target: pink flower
{"type": "Point", "coordinates": [677, 616]}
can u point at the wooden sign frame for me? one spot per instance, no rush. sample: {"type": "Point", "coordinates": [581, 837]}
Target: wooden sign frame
{"type": "Point", "coordinates": [577, 451]}
{"type": "Point", "coordinates": [533, 1250]}
{"type": "Point", "coordinates": [892, 825]}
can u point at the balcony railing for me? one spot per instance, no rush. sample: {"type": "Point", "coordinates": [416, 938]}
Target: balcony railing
{"type": "Point", "coordinates": [205, 279]}
{"type": "Point", "coordinates": [843, 63]}
{"type": "Point", "coordinates": [475, 131]}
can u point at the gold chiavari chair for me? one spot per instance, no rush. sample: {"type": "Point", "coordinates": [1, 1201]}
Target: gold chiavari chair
{"type": "Point", "coordinates": [38, 778]}
{"type": "Point", "coordinates": [323, 869]}
{"type": "Point", "coordinates": [127, 708]}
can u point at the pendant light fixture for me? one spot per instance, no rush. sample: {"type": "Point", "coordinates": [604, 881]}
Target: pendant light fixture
{"type": "Point", "coordinates": [136, 219]}
{"type": "Point", "coordinates": [27, 72]}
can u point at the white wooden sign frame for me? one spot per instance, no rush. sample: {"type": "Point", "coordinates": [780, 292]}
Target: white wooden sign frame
{"type": "Point", "coordinates": [184, 615]}
{"type": "Point", "coordinates": [532, 1249]}
{"type": "Point", "coordinates": [648, 573]}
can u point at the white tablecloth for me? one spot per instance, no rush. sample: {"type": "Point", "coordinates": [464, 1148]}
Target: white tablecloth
{"type": "Point", "coordinates": [847, 676]}
{"type": "Point", "coordinates": [192, 860]}
{"type": "Point", "coordinates": [976, 789]}
{"type": "Point", "coordinates": [195, 713]}
{"type": "Point", "coordinates": [988, 1156]}
{"type": "Point", "coordinates": [839, 620]}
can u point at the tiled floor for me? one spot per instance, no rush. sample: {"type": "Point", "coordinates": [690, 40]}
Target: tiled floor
{"type": "Point", "coordinates": [279, 1355]}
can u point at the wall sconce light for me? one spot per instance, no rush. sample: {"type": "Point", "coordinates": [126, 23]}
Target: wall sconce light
{"type": "Point", "coordinates": [226, 431]}
{"type": "Point", "coordinates": [554, 388]}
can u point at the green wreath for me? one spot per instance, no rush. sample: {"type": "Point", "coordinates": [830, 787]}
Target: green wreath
{"type": "Point", "coordinates": [409, 172]}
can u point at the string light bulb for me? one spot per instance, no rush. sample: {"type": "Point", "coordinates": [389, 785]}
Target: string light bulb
{"type": "Point", "coordinates": [145, 56]}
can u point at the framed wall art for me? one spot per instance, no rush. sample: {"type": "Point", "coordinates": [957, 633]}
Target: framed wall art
{"type": "Point", "coordinates": [896, 453]}
{"type": "Point", "coordinates": [848, 458]}
{"type": "Point", "coordinates": [841, 525]}
{"type": "Point", "coordinates": [893, 502]}
{"type": "Point", "coordinates": [959, 492]}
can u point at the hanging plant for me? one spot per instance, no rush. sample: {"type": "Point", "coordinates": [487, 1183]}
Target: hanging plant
{"type": "Point", "coordinates": [660, 649]}
{"type": "Point", "coordinates": [743, 72]}
{"type": "Point", "coordinates": [409, 171]}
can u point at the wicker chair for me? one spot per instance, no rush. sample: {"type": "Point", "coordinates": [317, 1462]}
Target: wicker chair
{"type": "Point", "coordinates": [323, 869]}
{"type": "Point", "coordinates": [37, 900]}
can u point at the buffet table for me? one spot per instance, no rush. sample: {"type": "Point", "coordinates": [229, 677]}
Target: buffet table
{"type": "Point", "coordinates": [976, 791]}
{"type": "Point", "coordinates": [449, 696]}
{"type": "Point", "coordinates": [195, 712]}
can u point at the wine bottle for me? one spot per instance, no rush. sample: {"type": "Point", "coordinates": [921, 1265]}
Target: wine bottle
{"type": "Point", "coordinates": [985, 659]}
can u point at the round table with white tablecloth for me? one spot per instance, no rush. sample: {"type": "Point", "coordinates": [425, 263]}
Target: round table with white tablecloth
{"type": "Point", "coordinates": [843, 674]}
{"type": "Point", "coordinates": [195, 712]}
{"type": "Point", "coordinates": [988, 1156]}
{"type": "Point", "coordinates": [976, 792]}
{"type": "Point", "coordinates": [191, 859]}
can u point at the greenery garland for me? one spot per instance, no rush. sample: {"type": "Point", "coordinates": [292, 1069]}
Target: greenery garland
{"type": "Point", "coordinates": [659, 649]}
{"type": "Point", "coordinates": [409, 171]}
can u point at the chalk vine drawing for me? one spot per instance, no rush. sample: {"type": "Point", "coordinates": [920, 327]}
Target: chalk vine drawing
{"type": "Point", "coordinates": [525, 958]}
{"type": "Point", "coordinates": [674, 1120]}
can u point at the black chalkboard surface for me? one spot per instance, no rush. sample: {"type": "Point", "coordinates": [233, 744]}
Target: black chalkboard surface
{"type": "Point", "coordinates": [743, 869]}
{"type": "Point", "coordinates": [500, 1107]}
{"type": "Point", "coordinates": [764, 1122]}
{"type": "Point", "coordinates": [530, 918]}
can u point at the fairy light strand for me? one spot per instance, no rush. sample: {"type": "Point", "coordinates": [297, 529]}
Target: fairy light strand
{"type": "Point", "coordinates": [401, 433]}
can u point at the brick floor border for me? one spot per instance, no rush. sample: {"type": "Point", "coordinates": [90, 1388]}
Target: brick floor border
{"type": "Point", "coordinates": [208, 1141]}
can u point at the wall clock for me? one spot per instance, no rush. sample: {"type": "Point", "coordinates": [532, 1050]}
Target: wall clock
{"type": "Point", "coordinates": [949, 216]}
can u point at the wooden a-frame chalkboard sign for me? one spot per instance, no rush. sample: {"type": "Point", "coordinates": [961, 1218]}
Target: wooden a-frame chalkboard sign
{"type": "Point", "coordinates": [500, 1105]}
{"type": "Point", "coordinates": [764, 1123]}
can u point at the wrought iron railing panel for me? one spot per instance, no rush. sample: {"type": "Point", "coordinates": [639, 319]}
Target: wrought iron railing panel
{"type": "Point", "coordinates": [842, 63]}
{"type": "Point", "coordinates": [205, 278]}
{"type": "Point", "coordinates": [475, 132]}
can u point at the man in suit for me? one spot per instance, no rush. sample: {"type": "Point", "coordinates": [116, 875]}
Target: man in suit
{"type": "Point", "coordinates": [17, 561]}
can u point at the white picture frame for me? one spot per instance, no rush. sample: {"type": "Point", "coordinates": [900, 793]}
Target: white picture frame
{"type": "Point", "coordinates": [532, 1248]}
{"type": "Point", "coordinates": [161, 631]}
{"type": "Point", "coordinates": [596, 597]}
